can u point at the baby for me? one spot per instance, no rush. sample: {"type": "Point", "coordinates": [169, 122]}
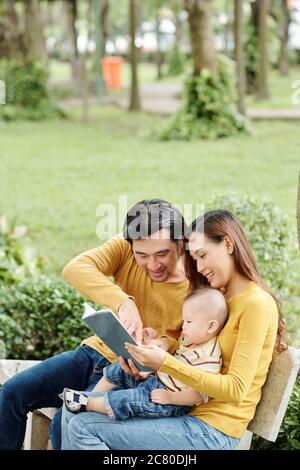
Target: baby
{"type": "Point", "coordinates": [122, 396]}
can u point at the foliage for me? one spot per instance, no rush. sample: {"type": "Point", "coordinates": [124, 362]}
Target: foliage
{"type": "Point", "coordinates": [26, 92]}
{"type": "Point", "coordinates": [208, 111]}
{"type": "Point", "coordinates": [251, 58]}
{"type": "Point", "coordinates": [267, 229]}
{"type": "Point", "coordinates": [16, 260]}
{"type": "Point", "coordinates": [40, 318]}
{"type": "Point", "coordinates": [289, 434]}
{"type": "Point", "coordinates": [175, 62]}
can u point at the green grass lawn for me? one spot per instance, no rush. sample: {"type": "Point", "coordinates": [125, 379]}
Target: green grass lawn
{"type": "Point", "coordinates": [55, 174]}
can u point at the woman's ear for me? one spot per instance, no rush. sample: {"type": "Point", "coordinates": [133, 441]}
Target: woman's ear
{"type": "Point", "coordinates": [228, 244]}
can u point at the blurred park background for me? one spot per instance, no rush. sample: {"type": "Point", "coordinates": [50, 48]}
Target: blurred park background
{"type": "Point", "coordinates": [192, 101]}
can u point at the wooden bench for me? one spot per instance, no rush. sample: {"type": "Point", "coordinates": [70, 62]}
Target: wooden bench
{"type": "Point", "coordinates": [266, 423]}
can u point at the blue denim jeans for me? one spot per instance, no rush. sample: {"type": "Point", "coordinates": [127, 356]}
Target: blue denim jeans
{"type": "Point", "coordinates": [95, 431]}
{"type": "Point", "coordinates": [39, 387]}
{"type": "Point", "coordinates": [132, 397]}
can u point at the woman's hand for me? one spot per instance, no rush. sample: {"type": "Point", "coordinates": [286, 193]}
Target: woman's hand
{"type": "Point", "coordinates": [149, 356]}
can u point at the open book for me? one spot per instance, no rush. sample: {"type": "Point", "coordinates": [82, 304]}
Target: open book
{"type": "Point", "coordinates": [108, 327]}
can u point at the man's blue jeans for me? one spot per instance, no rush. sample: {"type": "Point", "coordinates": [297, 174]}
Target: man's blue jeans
{"type": "Point", "coordinates": [132, 397]}
{"type": "Point", "coordinates": [39, 386]}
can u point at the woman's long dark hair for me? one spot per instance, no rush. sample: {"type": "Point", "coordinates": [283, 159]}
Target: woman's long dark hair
{"type": "Point", "coordinates": [215, 225]}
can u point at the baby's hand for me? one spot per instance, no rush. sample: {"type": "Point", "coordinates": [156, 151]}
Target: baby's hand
{"type": "Point", "coordinates": [162, 397]}
{"type": "Point", "coordinates": [144, 375]}
{"type": "Point", "coordinates": [148, 335]}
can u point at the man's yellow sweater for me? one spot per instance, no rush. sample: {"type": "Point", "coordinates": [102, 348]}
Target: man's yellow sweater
{"type": "Point", "coordinates": [159, 303]}
{"type": "Point", "coordinates": [247, 343]}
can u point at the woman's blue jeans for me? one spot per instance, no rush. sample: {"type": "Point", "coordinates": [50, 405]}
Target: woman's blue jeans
{"type": "Point", "coordinates": [95, 431]}
{"type": "Point", "coordinates": [39, 386]}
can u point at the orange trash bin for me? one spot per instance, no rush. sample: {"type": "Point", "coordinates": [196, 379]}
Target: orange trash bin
{"type": "Point", "coordinates": [111, 71]}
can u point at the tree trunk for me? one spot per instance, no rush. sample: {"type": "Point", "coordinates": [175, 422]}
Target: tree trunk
{"type": "Point", "coordinates": [262, 85]}
{"type": "Point", "coordinates": [135, 104]}
{"type": "Point", "coordinates": [254, 15]}
{"type": "Point", "coordinates": [178, 28]}
{"type": "Point", "coordinates": [10, 11]}
{"type": "Point", "coordinates": [158, 55]}
{"type": "Point", "coordinates": [104, 25]}
{"type": "Point", "coordinates": [298, 211]}
{"type": "Point", "coordinates": [201, 35]}
{"type": "Point", "coordinates": [11, 40]}
{"type": "Point", "coordinates": [227, 28]}
{"type": "Point", "coordinates": [239, 54]}
{"type": "Point", "coordinates": [71, 8]}
{"type": "Point", "coordinates": [284, 39]}
{"type": "Point", "coordinates": [85, 83]}
{"type": "Point", "coordinates": [33, 36]}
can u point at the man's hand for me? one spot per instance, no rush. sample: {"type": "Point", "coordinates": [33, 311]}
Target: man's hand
{"type": "Point", "coordinates": [130, 318]}
{"type": "Point", "coordinates": [162, 397]}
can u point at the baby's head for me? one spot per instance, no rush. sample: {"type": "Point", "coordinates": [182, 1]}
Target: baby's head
{"type": "Point", "coordinates": [205, 312]}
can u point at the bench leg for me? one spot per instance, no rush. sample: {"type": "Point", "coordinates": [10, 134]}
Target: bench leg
{"type": "Point", "coordinates": [36, 437]}
{"type": "Point", "coordinates": [245, 442]}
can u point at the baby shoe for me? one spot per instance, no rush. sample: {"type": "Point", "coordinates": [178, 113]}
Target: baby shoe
{"type": "Point", "coordinates": [74, 400]}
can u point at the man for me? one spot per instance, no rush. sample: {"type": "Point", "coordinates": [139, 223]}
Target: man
{"type": "Point", "coordinates": [148, 292]}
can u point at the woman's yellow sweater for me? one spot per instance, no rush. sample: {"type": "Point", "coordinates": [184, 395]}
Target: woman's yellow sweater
{"type": "Point", "coordinates": [247, 344]}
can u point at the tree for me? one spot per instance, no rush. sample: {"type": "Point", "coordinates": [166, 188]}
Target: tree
{"type": "Point", "coordinates": [159, 57]}
{"type": "Point", "coordinates": [135, 104]}
{"type": "Point", "coordinates": [104, 24]}
{"type": "Point", "coordinates": [33, 34]}
{"type": "Point", "coordinates": [207, 111]}
{"type": "Point", "coordinates": [284, 38]}
{"type": "Point", "coordinates": [298, 211]}
{"type": "Point", "coordinates": [239, 54]}
{"type": "Point", "coordinates": [262, 83]}
{"type": "Point", "coordinates": [21, 38]}
{"type": "Point", "coordinates": [11, 39]}
{"type": "Point", "coordinates": [71, 9]}
{"type": "Point", "coordinates": [201, 35]}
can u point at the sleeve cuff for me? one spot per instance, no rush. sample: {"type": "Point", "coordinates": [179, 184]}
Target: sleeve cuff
{"type": "Point", "coordinates": [119, 299]}
{"type": "Point", "coordinates": [168, 364]}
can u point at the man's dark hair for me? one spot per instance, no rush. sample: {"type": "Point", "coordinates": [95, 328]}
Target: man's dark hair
{"type": "Point", "coordinates": [151, 215]}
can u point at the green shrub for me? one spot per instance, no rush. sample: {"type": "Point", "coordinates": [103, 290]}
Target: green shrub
{"type": "Point", "coordinates": [17, 261]}
{"type": "Point", "coordinates": [289, 434]}
{"type": "Point", "coordinates": [26, 92]}
{"type": "Point", "coordinates": [209, 110]}
{"type": "Point", "coordinates": [40, 318]}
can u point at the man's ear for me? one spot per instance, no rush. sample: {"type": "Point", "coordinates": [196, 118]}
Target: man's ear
{"type": "Point", "coordinates": [181, 247]}
{"type": "Point", "coordinates": [228, 244]}
{"type": "Point", "coordinates": [213, 325]}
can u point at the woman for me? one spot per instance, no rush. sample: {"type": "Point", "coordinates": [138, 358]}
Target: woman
{"type": "Point", "coordinates": [218, 254]}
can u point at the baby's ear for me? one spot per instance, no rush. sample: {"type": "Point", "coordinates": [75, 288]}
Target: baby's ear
{"type": "Point", "coordinates": [213, 325]}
